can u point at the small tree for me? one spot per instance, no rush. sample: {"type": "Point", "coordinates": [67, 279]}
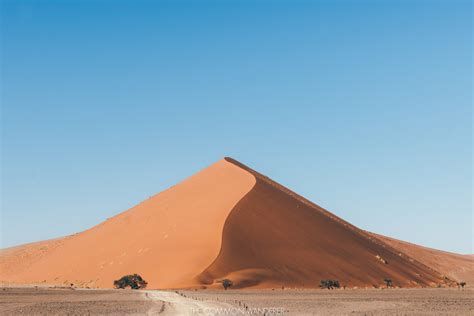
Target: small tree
{"type": "Point", "coordinates": [388, 282]}
{"type": "Point", "coordinates": [226, 283]}
{"type": "Point", "coordinates": [134, 281]}
{"type": "Point", "coordinates": [329, 284]}
{"type": "Point", "coordinates": [462, 284]}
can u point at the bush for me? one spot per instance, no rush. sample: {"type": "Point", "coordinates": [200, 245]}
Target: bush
{"type": "Point", "coordinates": [329, 284]}
{"type": "Point", "coordinates": [134, 281]}
{"type": "Point", "coordinates": [388, 282]}
{"type": "Point", "coordinates": [226, 283]}
{"type": "Point", "coordinates": [462, 284]}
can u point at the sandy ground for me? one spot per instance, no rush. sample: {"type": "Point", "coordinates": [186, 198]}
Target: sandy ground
{"type": "Point", "coordinates": [345, 302]}
{"type": "Point", "coordinates": [45, 301]}
{"type": "Point", "coordinates": [173, 303]}
{"type": "Point", "coordinates": [64, 301]}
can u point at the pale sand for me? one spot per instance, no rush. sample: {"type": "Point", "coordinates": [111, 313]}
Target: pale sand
{"type": "Point", "coordinates": [346, 302]}
{"type": "Point", "coordinates": [44, 301]}
{"type": "Point", "coordinates": [178, 304]}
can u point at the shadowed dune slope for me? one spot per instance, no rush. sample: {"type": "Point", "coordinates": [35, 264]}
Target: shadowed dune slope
{"type": "Point", "coordinates": [227, 221]}
{"type": "Point", "coordinates": [168, 239]}
{"type": "Point", "coordinates": [455, 266]}
{"type": "Point", "coordinates": [274, 237]}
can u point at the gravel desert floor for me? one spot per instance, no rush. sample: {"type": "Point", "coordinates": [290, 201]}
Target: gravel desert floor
{"type": "Point", "coordinates": [57, 301]}
{"type": "Point", "coordinates": [344, 302]}
{"type": "Point", "coordinates": [50, 301]}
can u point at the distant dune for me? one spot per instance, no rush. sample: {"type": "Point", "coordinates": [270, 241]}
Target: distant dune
{"type": "Point", "coordinates": [228, 221]}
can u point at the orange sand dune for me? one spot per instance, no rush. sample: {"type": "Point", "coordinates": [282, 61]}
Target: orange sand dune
{"type": "Point", "coordinates": [168, 239]}
{"type": "Point", "coordinates": [276, 237]}
{"type": "Point", "coordinates": [226, 221]}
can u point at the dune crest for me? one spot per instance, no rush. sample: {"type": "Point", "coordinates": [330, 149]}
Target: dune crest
{"type": "Point", "coordinates": [226, 221]}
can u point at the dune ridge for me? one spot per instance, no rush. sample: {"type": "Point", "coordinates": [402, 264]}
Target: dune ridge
{"type": "Point", "coordinates": [226, 221]}
{"type": "Point", "coordinates": [370, 236]}
{"type": "Point", "coordinates": [274, 237]}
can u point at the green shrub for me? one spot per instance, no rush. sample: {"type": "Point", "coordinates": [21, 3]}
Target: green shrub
{"type": "Point", "coordinates": [226, 283]}
{"type": "Point", "coordinates": [134, 281]}
{"type": "Point", "coordinates": [329, 284]}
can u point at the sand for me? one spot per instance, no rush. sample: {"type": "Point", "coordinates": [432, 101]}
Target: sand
{"type": "Point", "coordinates": [45, 301]}
{"type": "Point", "coordinates": [346, 302]}
{"type": "Point", "coordinates": [226, 221]}
{"type": "Point", "coordinates": [455, 266]}
{"type": "Point", "coordinates": [167, 239]}
{"type": "Point", "coordinates": [274, 237]}
{"type": "Point", "coordinates": [175, 303]}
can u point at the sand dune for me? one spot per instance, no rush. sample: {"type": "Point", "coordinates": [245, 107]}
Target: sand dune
{"type": "Point", "coordinates": [226, 221]}
{"type": "Point", "coordinates": [168, 239]}
{"type": "Point", "coordinates": [274, 237]}
{"type": "Point", "coordinates": [455, 266]}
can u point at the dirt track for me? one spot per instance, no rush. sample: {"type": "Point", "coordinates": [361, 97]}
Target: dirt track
{"type": "Point", "coordinates": [179, 304]}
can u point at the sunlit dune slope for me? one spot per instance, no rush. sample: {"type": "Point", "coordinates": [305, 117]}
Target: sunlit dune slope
{"type": "Point", "coordinates": [168, 239]}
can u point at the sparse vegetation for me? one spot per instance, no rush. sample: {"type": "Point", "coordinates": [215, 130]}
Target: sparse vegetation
{"type": "Point", "coordinates": [462, 284]}
{"type": "Point", "coordinates": [329, 284]}
{"type": "Point", "coordinates": [388, 283]}
{"type": "Point", "coordinates": [226, 283]}
{"type": "Point", "coordinates": [134, 281]}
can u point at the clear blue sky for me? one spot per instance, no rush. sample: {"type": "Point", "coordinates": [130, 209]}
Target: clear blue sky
{"type": "Point", "coordinates": [363, 107]}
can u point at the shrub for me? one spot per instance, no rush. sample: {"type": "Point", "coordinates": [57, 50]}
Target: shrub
{"type": "Point", "coordinates": [226, 283]}
{"type": "Point", "coordinates": [134, 281]}
{"type": "Point", "coordinates": [462, 284]}
{"type": "Point", "coordinates": [329, 284]}
{"type": "Point", "coordinates": [388, 282]}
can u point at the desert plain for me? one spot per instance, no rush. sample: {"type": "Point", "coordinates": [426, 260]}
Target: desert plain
{"type": "Point", "coordinates": [56, 301]}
